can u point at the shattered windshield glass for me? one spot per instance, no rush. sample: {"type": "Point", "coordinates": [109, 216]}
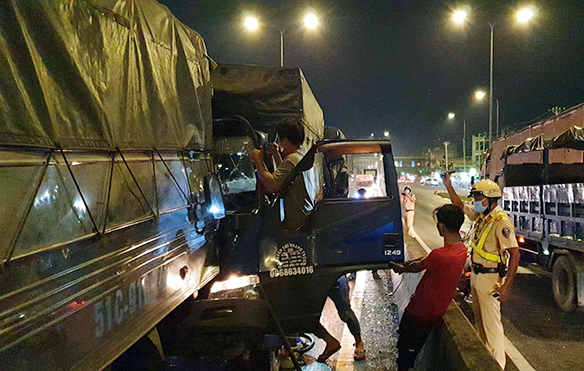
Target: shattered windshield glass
{"type": "Point", "coordinates": [236, 172]}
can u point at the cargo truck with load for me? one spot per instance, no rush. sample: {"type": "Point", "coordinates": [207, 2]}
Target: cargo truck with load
{"type": "Point", "coordinates": [109, 204]}
{"type": "Point", "coordinates": [545, 201]}
{"type": "Point", "coordinates": [111, 207]}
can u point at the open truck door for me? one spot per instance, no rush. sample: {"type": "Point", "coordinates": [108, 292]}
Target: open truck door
{"type": "Point", "coordinates": [346, 230]}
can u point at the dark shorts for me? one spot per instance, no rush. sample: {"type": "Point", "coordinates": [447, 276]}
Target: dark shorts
{"type": "Point", "coordinates": [339, 294]}
{"type": "Point", "coordinates": [413, 333]}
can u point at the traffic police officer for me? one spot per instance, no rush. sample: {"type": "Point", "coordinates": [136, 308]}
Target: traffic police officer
{"type": "Point", "coordinates": [495, 258]}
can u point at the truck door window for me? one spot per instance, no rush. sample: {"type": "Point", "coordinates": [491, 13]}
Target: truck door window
{"type": "Point", "coordinates": [366, 172]}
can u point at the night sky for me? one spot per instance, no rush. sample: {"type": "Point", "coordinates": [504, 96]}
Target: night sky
{"type": "Point", "coordinates": [402, 65]}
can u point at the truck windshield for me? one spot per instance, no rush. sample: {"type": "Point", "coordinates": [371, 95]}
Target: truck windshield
{"type": "Point", "coordinates": [235, 172]}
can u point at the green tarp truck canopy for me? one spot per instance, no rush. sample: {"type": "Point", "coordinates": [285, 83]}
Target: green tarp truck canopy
{"type": "Point", "coordinates": [101, 74]}
{"type": "Point", "coordinates": [266, 96]}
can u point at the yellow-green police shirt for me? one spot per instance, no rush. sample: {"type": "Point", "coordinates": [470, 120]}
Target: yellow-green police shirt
{"type": "Point", "coordinates": [501, 237]}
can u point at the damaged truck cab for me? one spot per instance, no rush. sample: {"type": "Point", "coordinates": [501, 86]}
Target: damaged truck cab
{"type": "Point", "coordinates": [346, 231]}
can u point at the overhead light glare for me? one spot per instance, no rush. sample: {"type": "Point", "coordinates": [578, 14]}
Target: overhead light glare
{"type": "Point", "coordinates": [524, 15]}
{"type": "Point", "coordinates": [459, 16]}
{"type": "Point", "coordinates": [251, 23]}
{"type": "Point", "coordinates": [311, 20]}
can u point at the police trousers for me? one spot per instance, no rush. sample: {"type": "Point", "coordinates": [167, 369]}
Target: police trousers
{"type": "Point", "coordinates": [409, 217]}
{"type": "Point", "coordinates": [487, 313]}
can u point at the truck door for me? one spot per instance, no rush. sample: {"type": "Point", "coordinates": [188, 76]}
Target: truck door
{"type": "Point", "coordinates": [355, 222]}
{"type": "Point", "coordinates": [353, 226]}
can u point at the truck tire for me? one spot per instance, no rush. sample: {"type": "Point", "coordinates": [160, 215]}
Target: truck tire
{"type": "Point", "coordinates": [564, 283]}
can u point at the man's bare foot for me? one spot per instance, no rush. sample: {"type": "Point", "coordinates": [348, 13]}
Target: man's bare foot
{"type": "Point", "coordinates": [331, 348]}
{"type": "Point", "coordinates": [360, 353]}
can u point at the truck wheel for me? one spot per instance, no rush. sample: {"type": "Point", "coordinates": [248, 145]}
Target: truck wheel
{"type": "Point", "coordinates": [564, 284]}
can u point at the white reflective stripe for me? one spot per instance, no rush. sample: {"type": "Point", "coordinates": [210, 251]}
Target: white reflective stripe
{"type": "Point", "coordinates": [516, 357]}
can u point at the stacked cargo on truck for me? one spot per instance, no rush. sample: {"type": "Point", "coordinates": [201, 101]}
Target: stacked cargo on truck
{"type": "Point", "coordinates": [545, 200]}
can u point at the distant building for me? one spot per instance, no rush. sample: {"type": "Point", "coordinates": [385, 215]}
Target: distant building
{"type": "Point", "coordinates": [410, 164]}
{"type": "Point", "coordinates": [480, 146]}
{"type": "Point", "coordinates": [435, 158]}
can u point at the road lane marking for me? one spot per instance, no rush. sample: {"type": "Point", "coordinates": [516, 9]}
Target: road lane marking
{"type": "Point", "coordinates": [517, 358]}
{"type": "Point", "coordinates": [513, 353]}
{"type": "Point", "coordinates": [345, 362]}
{"type": "Point", "coordinates": [421, 242]}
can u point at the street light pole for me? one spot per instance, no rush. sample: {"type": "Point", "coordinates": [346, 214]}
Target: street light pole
{"type": "Point", "coordinates": [491, 88]}
{"type": "Point", "coordinates": [464, 144]}
{"type": "Point", "coordinates": [497, 118]}
{"type": "Point", "coordinates": [310, 21]}
{"type": "Point", "coordinates": [446, 154]}
{"type": "Point", "coordinates": [281, 45]}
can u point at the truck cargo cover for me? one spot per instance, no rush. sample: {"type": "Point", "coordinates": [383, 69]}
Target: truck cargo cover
{"type": "Point", "coordinates": [101, 74]}
{"type": "Point", "coordinates": [265, 96]}
{"type": "Point", "coordinates": [573, 138]}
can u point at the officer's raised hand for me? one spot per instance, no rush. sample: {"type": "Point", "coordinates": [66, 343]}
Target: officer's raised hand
{"type": "Point", "coordinates": [446, 179]}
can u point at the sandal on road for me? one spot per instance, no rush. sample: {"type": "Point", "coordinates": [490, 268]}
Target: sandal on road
{"type": "Point", "coordinates": [360, 354]}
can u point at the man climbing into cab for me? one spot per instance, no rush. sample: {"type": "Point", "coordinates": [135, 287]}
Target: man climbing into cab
{"type": "Point", "coordinates": [297, 202]}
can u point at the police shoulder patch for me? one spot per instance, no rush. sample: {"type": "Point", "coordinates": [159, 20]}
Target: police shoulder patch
{"type": "Point", "coordinates": [506, 232]}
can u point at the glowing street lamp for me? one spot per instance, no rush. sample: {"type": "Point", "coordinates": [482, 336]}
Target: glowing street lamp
{"type": "Point", "coordinates": [451, 115]}
{"type": "Point", "coordinates": [310, 21]}
{"type": "Point", "coordinates": [524, 15]}
{"type": "Point", "coordinates": [251, 23]}
{"type": "Point", "coordinates": [386, 134]}
{"type": "Point", "coordinates": [480, 95]}
{"type": "Point", "coordinates": [459, 16]}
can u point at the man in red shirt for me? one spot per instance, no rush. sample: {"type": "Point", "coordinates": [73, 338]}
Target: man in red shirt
{"type": "Point", "coordinates": [436, 289]}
